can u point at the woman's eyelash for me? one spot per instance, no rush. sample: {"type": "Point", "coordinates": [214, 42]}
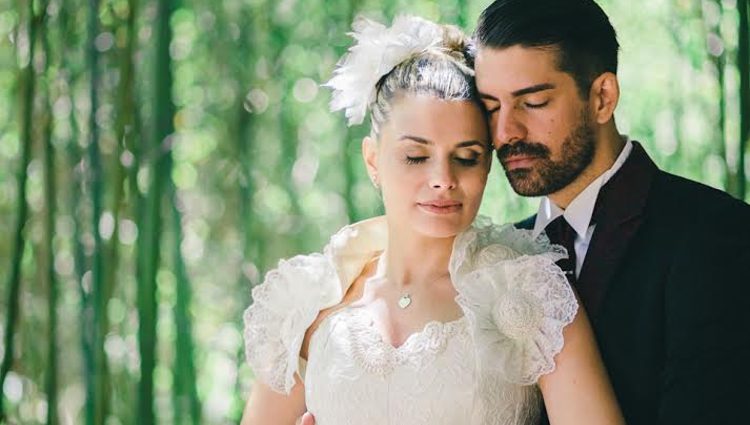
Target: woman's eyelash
{"type": "Point", "coordinates": [415, 159]}
{"type": "Point", "coordinates": [467, 161]}
{"type": "Point", "coordinates": [462, 161]}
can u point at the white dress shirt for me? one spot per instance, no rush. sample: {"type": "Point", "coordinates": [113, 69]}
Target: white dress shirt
{"type": "Point", "coordinates": [579, 212]}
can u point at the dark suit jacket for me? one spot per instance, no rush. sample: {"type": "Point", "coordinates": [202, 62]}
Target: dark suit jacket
{"type": "Point", "coordinates": [666, 281]}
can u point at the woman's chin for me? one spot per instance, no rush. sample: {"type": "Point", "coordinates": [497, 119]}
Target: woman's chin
{"type": "Point", "coordinates": [441, 226]}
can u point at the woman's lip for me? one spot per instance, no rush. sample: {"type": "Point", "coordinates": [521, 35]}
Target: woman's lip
{"type": "Point", "coordinates": [441, 203]}
{"type": "Point", "coordinates": [441, 207]}
{"type": "Point", "coordinates": [518, 162]}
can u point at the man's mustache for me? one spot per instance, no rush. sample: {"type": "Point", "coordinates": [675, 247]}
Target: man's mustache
{"type": "Point", "coordinates": [522, 148]}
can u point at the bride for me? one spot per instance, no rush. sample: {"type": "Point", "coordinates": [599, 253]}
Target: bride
{"type": "Point", "coordinates": [427, 315]}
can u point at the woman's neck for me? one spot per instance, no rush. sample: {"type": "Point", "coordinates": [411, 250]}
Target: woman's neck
{"type": "Point", "coordinates": [412, 260]}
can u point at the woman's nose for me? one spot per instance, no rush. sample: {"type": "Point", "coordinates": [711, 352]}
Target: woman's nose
{"type": "Point", "coordinates": [443, 175]}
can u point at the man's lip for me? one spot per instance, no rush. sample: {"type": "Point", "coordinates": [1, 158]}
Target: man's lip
{"type": "Point", "coordinates": [520, 161]}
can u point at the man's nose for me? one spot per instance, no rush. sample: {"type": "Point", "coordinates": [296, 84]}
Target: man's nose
{"type": "Point", "coordinates": [507, 129]}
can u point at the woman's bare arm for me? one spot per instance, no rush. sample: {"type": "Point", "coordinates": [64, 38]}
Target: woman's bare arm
{"type": "Point", "coordinates": [578, 391]}
{"type": "Point", "coordinates": [267, 407]}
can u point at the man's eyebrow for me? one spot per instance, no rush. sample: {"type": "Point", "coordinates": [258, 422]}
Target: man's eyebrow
{"type": "Point", "coordinates": [417, 139]}
{"type": "Point", "coordinates": [533, 89]}
{"type": "Point", "coordinates": [521, 92]}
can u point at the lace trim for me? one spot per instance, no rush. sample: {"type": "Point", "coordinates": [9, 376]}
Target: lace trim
{"type": "Point", "coordinates": [284, 306]}
{"type": "Point", "coordinates": [517, 299]}
{"type": "Point", "coordinates": [376, 356]}
{"type": "Point", "coordinates": [486, 244]}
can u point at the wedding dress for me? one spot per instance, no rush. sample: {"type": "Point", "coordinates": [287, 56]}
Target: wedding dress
{"type": "Point", "coordinates": [479, 369]}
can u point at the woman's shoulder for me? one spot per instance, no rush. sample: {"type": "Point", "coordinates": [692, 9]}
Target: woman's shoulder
{"type": "Point", "coordinates": [516, 298]}
{"type": "Point", "coordinates": [292, 294]}
{"type": "Point", "coordinates": [487, 244]}
{"type": "Point", "coordinates": [282, 308]}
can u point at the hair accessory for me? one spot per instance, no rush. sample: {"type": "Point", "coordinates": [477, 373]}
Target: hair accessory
{"type": "Point", "coordinates": [377, 51]}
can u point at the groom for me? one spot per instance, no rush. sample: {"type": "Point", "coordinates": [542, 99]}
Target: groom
{"type": "Point", "coordinates": [661, 263]}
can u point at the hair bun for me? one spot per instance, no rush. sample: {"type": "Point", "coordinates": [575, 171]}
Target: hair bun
{"type": "Point", "coordinates": [456, 44]}
{"type": "Point", "coordinates": [454, 39]}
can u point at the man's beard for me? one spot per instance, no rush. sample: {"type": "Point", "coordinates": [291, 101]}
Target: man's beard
{"type": "Point", "coordinates": [549, 176]}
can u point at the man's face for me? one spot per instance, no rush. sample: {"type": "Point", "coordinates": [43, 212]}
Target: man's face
{"type": "Point", "coordinates": [539, 124]}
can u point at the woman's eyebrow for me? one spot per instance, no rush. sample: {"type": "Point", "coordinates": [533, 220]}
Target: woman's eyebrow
{"type": "Point", "coordinates": [417, 139]}
{"type": "Point", "coordinates": [471, 143]}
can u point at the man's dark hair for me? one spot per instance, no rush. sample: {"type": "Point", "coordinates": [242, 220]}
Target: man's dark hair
{"type": "Point", "coordinates": [578, 29]}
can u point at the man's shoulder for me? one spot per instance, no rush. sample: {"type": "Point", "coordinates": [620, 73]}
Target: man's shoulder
{"type": "Point", "coordinates": [696, 198]}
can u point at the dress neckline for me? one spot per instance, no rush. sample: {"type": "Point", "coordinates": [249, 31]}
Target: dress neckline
{"type": "Point", "coordinates": [366, 319]}
{"type": "Point", "coordinates": [375, 355]}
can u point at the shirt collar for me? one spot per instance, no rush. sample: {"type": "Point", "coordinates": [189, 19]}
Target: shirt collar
{"type": "Point", "coordinates": [579, 212]}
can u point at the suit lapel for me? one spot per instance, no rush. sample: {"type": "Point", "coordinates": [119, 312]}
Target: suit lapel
{"type": "Point", "coordinates": [618, 217]}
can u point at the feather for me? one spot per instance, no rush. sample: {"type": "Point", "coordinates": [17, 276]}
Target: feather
{"type": "Point", "coordinates": [376, 52]}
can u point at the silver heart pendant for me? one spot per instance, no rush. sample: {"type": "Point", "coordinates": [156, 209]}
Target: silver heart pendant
{"type": "Point", "coordinates": [404, 301]}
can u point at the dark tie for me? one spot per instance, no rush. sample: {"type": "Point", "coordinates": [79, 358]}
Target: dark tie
{"type": "Point", "coordinates": [561, 233]}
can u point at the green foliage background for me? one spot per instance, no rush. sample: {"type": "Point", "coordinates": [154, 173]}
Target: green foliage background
{"type": "Point", "coordinates": [179, 148]}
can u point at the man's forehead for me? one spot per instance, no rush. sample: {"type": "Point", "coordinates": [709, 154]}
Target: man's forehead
{"type": "Point", "coordinates": [518, 56]}
{"type": "Point", "coordinates": [513, 68]}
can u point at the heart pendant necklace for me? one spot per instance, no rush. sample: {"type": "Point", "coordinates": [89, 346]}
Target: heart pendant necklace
{"type": "Point", "coordinates": [404, 301]}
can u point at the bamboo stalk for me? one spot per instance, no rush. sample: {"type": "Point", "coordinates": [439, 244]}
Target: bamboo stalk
{"type": "Point", "coordinates": [350, 147]}
{"type": "Point", "coordinates": [720, 63]}
{"type": "Point", "coordinates": [287, 131]}
{"type": "Point", "coordinates": [743, 63]}
{"type": "Point", "coordinates": [14, 279]}
{"type": "Point", "coordinates": [50, 192]}
{"type": "Point", "coordinates": [186, 393]}
{"type": "Point", "coordinates": [164, 110]}
{"type": "Point", "coordinates": [95, 182]}
{"type": "Point", "coordinates": [74, 160]}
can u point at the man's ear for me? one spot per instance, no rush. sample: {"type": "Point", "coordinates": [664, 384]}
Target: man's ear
{"type": "Point", "coordinates": [370, 155]}
{"type": "Point", "coordinates": [603, 97]}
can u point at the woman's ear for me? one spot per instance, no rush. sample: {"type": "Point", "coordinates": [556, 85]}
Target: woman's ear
{"type": "Point", "coordinates": [370, 155]}
{"type": "Point", "coordinates": [604, 95]}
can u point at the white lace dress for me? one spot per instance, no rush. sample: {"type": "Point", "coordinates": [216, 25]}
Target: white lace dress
{"type": "Point", "coordinates": [479, 369]}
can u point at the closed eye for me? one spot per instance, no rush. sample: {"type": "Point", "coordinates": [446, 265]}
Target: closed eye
{"type": "Point", "coordinates": [536, 105]}
{"type": "Point", "coordinates": [491, 110]}
{"type": "Point", "coordinates": [467, 162]}
{"type": "Point", "coordinates": [415, 159]}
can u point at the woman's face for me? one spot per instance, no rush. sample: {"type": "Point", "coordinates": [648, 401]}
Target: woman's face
{"type": "Point", "coordinates": [431, 162]}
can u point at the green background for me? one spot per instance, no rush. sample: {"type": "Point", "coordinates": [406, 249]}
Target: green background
{"type": "Point", "coordinates": [157, 157]}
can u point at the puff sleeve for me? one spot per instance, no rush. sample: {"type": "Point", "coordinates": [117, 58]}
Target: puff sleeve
{"type": "Point", "coordinates": [516, 298]}
{"type": "Point", "coordinates": [284, 306]}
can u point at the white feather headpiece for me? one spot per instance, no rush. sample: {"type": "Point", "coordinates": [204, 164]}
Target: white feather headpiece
{"type": "Point", "coordinates": [376, 52]}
